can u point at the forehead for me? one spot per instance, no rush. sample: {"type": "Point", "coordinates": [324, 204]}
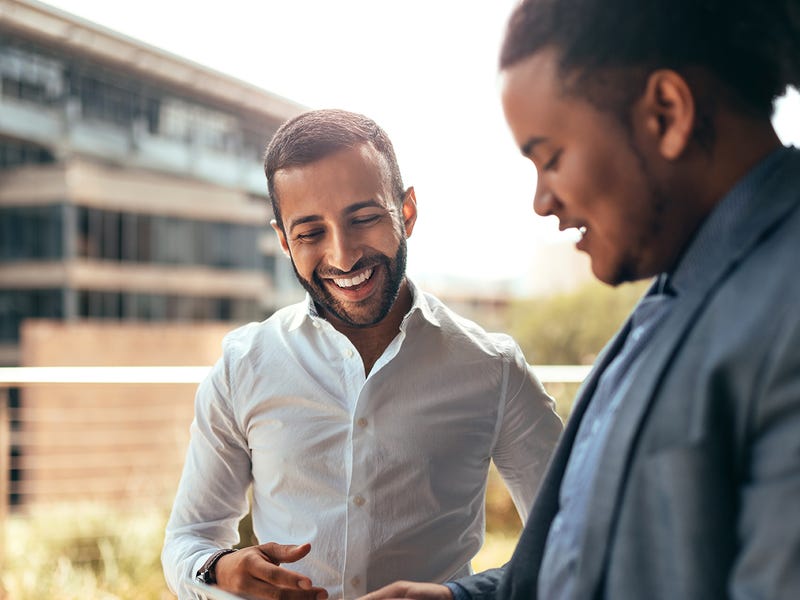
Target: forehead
{"type": "Point", "coordinates": [532, 94]}
{"type": "Point", "coordinates": [541, 101]}
{"type": "Point", "coordinates": [539, 69]}
{"type": "Point", "coordinates": [339, 179]}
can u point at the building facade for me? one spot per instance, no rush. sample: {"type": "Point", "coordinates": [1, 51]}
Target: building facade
{"type": "Point", "coordinates": [131, 182]}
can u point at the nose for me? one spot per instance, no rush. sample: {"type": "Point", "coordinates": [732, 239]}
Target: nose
{"type": "Point", "coordinates": [544, 201]}
{"type": "Point", "coordinates": [344, 251]}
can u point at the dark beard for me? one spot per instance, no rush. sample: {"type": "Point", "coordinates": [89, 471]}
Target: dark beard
{"type": "Point", "coordinates": [630, 269]}
{"type": "Point", "coordinates": [395, 270]}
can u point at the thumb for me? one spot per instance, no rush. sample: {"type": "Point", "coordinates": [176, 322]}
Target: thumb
{"type": "Point", "coordinates": [280, 553]}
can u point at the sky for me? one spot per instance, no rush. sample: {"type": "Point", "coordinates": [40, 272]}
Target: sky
{"type": "Point", "coordinates": [425, 70]}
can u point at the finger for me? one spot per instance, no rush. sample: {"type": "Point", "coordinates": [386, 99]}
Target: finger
{"type": "Point", "coordinates": [263, 590]}
{"type": "Point", "coordinates": [282, 577]}
{"type": "Point", "coordinates": [280, 553]}
{"type": "Point", "coordinates": [271, 592]}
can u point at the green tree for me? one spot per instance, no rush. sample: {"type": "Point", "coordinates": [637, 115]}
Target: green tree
{"type": "Point", "coordinates": [573, 327]}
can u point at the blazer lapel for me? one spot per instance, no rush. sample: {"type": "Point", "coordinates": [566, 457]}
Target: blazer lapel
{"type": "Point", "coordinates": [521, 577]}
{"type": "Point", "coordinates": [775, 200]}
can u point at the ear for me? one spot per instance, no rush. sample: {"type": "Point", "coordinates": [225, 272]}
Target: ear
{"type": "Point", "coordinates": [409, 210]}
{"type": "Point", "coordinates": [668, 108]}
{"type": "Point", "coordinates": [281, 237]}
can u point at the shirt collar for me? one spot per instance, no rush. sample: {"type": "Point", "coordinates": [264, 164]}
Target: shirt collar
{"type": "Point", "coordinates": [733, 207]}
{"type": "Point", "coordinates": [419, 305]}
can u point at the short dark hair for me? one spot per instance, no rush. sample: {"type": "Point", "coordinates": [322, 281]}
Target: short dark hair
{"type": "Point", "coordinates": [316, 134]}
{"type": "Point", "coordinates": [751, 47]}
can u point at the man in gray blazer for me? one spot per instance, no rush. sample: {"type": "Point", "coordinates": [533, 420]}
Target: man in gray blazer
{"type": "Point", "coordinates": [678, 475]}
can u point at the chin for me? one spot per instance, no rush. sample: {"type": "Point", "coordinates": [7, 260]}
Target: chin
{"type": "Point", "coordinates": [615, 274]}
{"type": "Point", "coordinates": [603, 274]}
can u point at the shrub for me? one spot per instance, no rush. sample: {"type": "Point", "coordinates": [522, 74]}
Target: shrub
{"type": "Point", "coordinates": [84, 552]}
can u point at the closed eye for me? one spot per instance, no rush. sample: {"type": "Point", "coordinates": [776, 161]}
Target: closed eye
{"type": "Point", "coordinates": [366, 220]}
{"type": "Point", "coordinates": [553, 162]}
{"type": "Point", "coordinates": [307, 236]}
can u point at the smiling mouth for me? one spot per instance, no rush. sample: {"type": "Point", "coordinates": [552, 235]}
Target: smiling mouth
{"type": "Point", "coordinates": [347, 283]}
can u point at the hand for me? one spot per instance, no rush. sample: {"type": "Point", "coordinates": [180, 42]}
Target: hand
{"type": "Point", "coordinates": [411, 589]}
{"type": "Point", "coordinates": [254, 572]}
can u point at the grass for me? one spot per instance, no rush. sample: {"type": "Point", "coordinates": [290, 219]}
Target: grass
{"type": "Point", "coordinates": [497, 549]}
{"type": "Point", "coordinates": [86, 552]}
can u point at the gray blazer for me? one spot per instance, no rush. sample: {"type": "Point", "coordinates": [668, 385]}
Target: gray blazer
{"type": "Point", "coordinates": [699, 493]}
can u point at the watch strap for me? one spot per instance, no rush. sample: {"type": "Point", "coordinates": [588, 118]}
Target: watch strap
{"type": "Point", "coordinates": [208, 572]}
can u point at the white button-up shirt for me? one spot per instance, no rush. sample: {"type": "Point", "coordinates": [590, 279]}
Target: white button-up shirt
{"type": "Point", "coordinates": [385, 474]}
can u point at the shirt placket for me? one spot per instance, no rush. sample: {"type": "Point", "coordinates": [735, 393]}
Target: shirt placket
{"type": "Point", "coordinates": [356, 539]}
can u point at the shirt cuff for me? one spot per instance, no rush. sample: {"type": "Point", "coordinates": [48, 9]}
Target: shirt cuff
{"type": "Point", "coordinates": [198, 564]}
{"type": "Point", "coordinates": [458, 591]}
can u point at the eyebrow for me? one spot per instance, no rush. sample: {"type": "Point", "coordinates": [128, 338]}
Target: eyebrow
{"type": "Point", "coordinates": [529, 146]}
{"type": "Point", "coordinates": [355, 207]}
{"type": "Point", "coordinates": [371, 203]}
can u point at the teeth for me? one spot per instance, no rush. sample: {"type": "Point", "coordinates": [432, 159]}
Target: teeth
{"type": "Point", "coordinates": [346, 283]}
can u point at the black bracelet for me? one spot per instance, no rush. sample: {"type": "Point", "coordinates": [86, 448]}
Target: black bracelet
{"type": "Point", "coordinates": [208, 572]}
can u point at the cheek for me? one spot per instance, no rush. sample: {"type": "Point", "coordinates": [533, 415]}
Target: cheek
{"type": "Point", "coordinates": [384, 240]}
{"type": "Point", "coordinates": [597, 174]}
{"type": "Point", "coordinates": [608, 188]}
{"type": "Point", "coordinates": [304, 259]}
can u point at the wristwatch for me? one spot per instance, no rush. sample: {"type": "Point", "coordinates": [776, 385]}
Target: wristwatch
{"type": "Point", "coordinates": [208, 572]}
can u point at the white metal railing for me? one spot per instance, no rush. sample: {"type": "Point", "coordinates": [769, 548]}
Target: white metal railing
{"type": "Point", "coordinates": [23, 375]}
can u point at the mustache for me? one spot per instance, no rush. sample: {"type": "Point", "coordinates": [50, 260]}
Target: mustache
{"type": "Point", "coordinates": [365, 262]}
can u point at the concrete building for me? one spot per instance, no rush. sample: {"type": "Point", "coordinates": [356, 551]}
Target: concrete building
{"type": "Point", "coordinates": [131, 185]}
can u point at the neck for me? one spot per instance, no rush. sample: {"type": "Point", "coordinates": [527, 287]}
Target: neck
{"type": "Point", "coordinates": [372, 341]}
{"type": "Point", "coordinates": [691, 186]}
{"type": "Point", "coordinates": [741, 144]}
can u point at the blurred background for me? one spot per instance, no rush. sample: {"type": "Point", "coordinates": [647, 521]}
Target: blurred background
{"type": "Point", "coordinates": [133, 214]}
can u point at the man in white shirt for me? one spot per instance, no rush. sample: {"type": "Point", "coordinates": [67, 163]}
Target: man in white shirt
{"type": "Point", "coordinates": [365, 417]}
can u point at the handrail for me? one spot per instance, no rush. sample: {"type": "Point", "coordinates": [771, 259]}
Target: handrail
{"type": "Point", "coordinates": [194, 374]}
{"type": "Point", "coordinates": [23, 375]}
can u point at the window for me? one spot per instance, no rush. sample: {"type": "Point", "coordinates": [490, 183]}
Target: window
{"type": "Point", "coordinates": [31, 233]}
{"type": "Point", "coordinates": [14, 153]}
{"type": "Point", "coordinates": [16, 305]}
{"type": "Point", "coordinates": [30, 76]}
{"type": "Point", "coordinates": [108, 235]}
{"type": "Point", "coordinates": [164, 307]}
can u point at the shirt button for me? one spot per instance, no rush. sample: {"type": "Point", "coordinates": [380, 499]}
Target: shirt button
{"type": "Point", "coordinates": [355, 581]}
{"type": "Point", "coordinates": [362, 422]}
{"type": "Point", "coordinates": [359, 500]}
{"type": "Point", "coordinates": [316, 324]}
{"type": "Point", "coordinates": [348, 353]}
